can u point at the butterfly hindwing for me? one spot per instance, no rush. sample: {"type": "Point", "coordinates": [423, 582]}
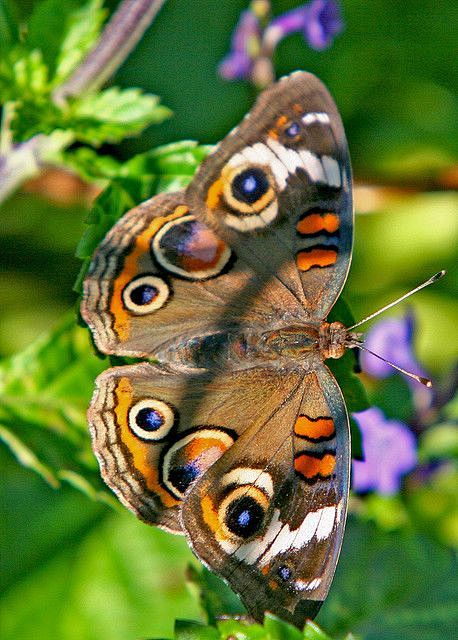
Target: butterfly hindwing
{"type": "Point", "coordinates": [156, 430]}
{"type": "Point", "coordinates": [278, 190]}
{"type": "Point", "coordinates": [162, 278]}
{"type": "Point", "coordinates": [268, 516]}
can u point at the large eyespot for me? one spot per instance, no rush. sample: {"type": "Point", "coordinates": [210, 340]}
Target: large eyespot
{"type": "Point", "coordinates": [151, 419]}
{"type": "Point", "coordinates": [247, 188]}
{"type": "Point", "coordinates": [185, 460]}
{"type": "Point", "coordinates": [189, 249]}
{"type": "Point", "coordinates": [145, 294]}
{"type": "Point", "coordinates": [250, 185]}
{"type": "Point", "coordinates": [242, 512]}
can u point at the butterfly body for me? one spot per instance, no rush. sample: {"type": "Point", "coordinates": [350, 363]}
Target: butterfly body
{"type": "Point", "coordinates": [237, 436]}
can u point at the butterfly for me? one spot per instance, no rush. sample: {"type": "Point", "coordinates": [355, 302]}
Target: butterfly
{"type": "Point", "coordinates": [238, 436]}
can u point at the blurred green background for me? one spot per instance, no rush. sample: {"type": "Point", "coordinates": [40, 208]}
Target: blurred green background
{"type": "Point", "coordinates": [76, 569]}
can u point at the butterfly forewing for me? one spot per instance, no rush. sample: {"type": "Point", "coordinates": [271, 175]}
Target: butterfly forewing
{"type": "Point", "coordinates": [161, 278]}
{"type": "Point", "coordinates": [278, 189]}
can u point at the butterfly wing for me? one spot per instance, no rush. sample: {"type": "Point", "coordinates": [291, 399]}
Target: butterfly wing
{"type": "Point", "coordinates": [278, 190]}
{"type": "Point", "coordinates": [268, 516]}
{"type": "Point", "coordinates": [161, 278]}
{"type": "Point", "coordinates": [156, 430]}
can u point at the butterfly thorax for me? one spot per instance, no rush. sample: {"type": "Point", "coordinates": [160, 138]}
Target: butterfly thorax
{"type": "Point", "coordinates": [282, 344]}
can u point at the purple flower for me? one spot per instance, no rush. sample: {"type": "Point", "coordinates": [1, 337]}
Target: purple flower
{"type": "Point", "coordinates": [319, 21]}
{"type": "Point", "coordinates": [389, 449]}
{"type": "Point", "coordinates": [393, 339]}
{"type": "Point", "coordinates": [245, 45]}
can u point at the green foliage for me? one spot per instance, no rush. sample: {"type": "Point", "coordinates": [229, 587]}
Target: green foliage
{"type": "Point", "coordinates": [392, 585]}
{"type": "Point", "coordinates": [58, 36]}
{"type": "Point", "coordinates": [272, 629]}
{"type": "Point", "coordinates": [83, 29]}
{"type": "Point", "coordinates": [45, 391]}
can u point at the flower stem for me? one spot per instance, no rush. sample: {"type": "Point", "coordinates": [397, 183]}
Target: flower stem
{"type": "Point", "coordinates": [121, 34]}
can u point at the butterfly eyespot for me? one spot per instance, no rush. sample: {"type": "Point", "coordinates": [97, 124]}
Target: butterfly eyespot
{"type": "Point", "coordinates": [284, 573]}
{"type": "Point", "coordinates": [250, 185]}
{"type": "Point", "coordinates": [293, 130]}
{"type": "Point", "coordinates": [242, 512]}
{"type": "Point", "coordinates": [145, 294]}
{"type": "Point", "coordinates": [187, 458]}
{"type": "Point", "coordinates": [151, 419]}
{"type": "Point", "coordinates": [187, 248]}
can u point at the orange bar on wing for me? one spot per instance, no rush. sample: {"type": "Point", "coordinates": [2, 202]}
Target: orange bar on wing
{"type": "Point", "coordinates": [314, 428]}
{"type": "Point", "coordinates": [316, 257]}
{"type": "Point", "coordinates": [310, 467]}
{"type": "Point", "coordinates": [316, 222]}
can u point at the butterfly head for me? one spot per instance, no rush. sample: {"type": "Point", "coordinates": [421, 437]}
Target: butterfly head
{"type": "Point", "coordinates": [334, 339]}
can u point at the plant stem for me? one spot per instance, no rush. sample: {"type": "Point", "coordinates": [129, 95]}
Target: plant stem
{"type": "Point", "coordinates": [121, 34]}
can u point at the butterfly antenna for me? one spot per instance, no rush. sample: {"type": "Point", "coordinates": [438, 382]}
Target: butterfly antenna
{"type": "Point", "coordinates": [434, 278]}
{"type": "Point", "coordinates": [425, 381]}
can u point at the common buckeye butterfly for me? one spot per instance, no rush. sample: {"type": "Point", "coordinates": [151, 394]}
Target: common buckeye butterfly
{"type": "Point", "coordinates": [238, 437]}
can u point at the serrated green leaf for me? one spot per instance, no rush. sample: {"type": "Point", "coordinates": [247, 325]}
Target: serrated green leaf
{"type": "Point", "coordinates": [113, 114]}
{"type": "Point", "coordinates": [45, 391]}
{"type": "Point", "coordinates": [83, 29]}
{"type": "Point", "coordinates": [191, 630]}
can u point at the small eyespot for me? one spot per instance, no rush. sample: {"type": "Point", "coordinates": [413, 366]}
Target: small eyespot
{"type": "Point", "coordinates": [293, 130]}
{"type": "Point", "coordinates": [284, 573]}
{"type": "Point", "coordinates": [151, 419]}
{"type": "Point", "coordinates": [145, 294]}
{"type": "Point", "coordinates": [250, 185]}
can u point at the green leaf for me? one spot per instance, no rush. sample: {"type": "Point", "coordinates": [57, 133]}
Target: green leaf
{"type": "Point", "coordinates": [89, 164]}
{"type": "Point", "coordinates": [23, 78]}
{"type": "Point", "coordinates": [242, 629]}
{"type": "Point", "coordinates": [313, 632]}
{"type": "Point", "coordinates": [170, 167]}
{"type": "Point", "coordinates": [83, 29]}
{"type": "Point", "coordinates": [48, 27]}
{"type": "Point", "coordinates": [191, 630]}
{"type": "Point", "coordinates": [279, 630]}
{"type": "Point", "coordinates": [9, 30]}
{"type": "Point", "coordinates": [113, 114]}
{"type": "Point", "coordinates": [45, 392]}
{"type": "Point", "coordinates": [215, 596]}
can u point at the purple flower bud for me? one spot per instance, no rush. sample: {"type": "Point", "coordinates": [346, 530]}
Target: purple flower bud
{"type": "Point", "coordinates": [389, 452]}
{"type": "Point", "coordinates": [245, 45]}
{"type": "Point", "coordinates": [319, 21]}
{"type": "Point", "coordinates": [324, 21]}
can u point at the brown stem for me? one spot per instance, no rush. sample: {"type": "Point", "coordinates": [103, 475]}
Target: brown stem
{"type": "Point", "coordinates": [124, 29]}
